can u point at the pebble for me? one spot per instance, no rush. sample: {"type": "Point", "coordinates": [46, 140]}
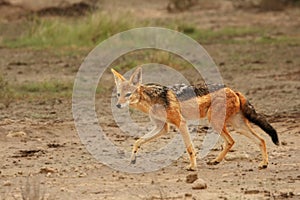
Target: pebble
{"type": "Point", "coordinates": [199, 184]}
{"type": "Point", "coordinates": [46, 170]}
{"type": "Point", "coordinates": [191, 178]}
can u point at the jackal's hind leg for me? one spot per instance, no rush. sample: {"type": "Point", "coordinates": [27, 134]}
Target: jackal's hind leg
{"type": "Point", "coordinates": [229, 142]}
{"type": "Point", "coordinates": [160, 129]}
{"type": "Point", "coordinates": [242, 126]}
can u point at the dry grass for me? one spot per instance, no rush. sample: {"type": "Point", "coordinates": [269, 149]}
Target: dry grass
{"type": "Point", "coordinates": [6, 94]}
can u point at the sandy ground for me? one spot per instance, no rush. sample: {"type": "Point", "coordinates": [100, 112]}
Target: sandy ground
{"type": "Point", "coordinates": [40, 147]}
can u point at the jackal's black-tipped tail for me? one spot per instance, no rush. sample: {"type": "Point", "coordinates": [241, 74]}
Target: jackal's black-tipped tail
{"type": "Point", "coordinates": [258, 119]}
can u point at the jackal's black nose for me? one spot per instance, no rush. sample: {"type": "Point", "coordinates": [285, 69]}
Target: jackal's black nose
{"type": "Point", "coordinates": [118, 105]}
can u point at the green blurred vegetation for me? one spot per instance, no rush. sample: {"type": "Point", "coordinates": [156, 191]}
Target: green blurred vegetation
{"type": "Point", "coordinates": [47, 89]}
{"type": "Point", "coordinates": [9, 92]}
{"type": "Point", "coordinates": [90, 30]}
{"type": "Point", "coordinates": [74, 32]}
{"type": "Point", "coordinates": [50, 87]}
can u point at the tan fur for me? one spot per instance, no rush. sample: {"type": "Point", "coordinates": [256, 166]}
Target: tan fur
{"type": "Point", "coordinates": [177, 113]}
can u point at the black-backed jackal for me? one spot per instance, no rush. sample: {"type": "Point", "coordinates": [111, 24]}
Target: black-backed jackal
{"type": "Point", "coordinates": [171, 105]}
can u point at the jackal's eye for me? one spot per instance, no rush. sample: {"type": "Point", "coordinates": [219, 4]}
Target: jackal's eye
{"type": "Point", "coordinates": [128, 94]}
{"type": "Point", "coordinates": [118, 94]}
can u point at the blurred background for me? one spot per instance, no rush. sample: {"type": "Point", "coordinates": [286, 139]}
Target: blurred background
{"type": "Point", "coordinates": [83, 23]}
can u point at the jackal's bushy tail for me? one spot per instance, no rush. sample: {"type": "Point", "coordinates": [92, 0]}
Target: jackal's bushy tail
{"type": "Point", "coordinates": [256, 118]}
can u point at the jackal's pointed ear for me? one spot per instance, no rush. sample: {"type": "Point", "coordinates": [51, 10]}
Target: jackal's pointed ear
{"type": "Point", "coordinates": [136, 77]}
{"type": "Point", "coordinates": [118, 77]}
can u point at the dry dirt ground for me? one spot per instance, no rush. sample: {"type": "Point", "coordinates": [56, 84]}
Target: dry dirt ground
{"type": "Point", "coordinates": [41, 151]}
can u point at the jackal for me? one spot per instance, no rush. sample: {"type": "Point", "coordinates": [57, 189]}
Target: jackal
{"type": "Point", "coordinates": [172, 105]}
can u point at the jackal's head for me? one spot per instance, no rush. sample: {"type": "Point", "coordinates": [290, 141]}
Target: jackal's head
{"type": "Point", "coordinates": [126, 89]}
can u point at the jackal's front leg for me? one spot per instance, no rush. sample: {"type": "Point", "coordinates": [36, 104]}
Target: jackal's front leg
{"type": "Point", "coordinates": [189, 146]}
{"type": "Point", "coordinates": [161, 128]}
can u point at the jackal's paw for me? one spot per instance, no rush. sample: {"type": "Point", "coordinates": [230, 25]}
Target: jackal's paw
{"type": "Point", "coordinates": [133, 159]}
{"type": "Point", "coordinates": [213, 162]}
{"type": "Point", "coordinates": [191, 168]}
{"type": "Point", "coordinates": [263, 165]}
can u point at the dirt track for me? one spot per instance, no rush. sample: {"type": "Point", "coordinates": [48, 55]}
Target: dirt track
{"type": "Point", "coordinates": [47, 146]}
